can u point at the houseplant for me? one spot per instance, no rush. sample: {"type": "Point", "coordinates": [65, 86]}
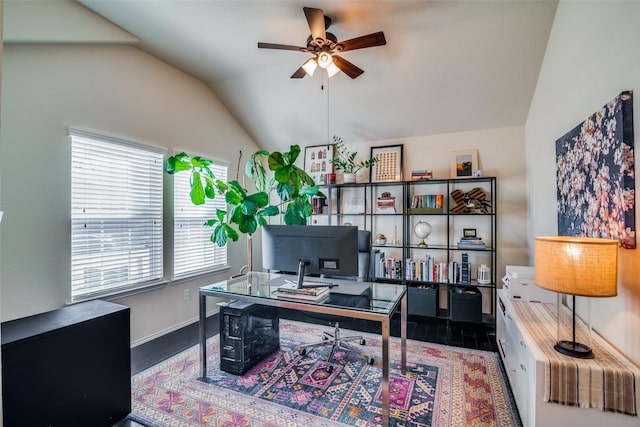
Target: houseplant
{"type": "Point", "coordinates": [345, 161]}
{"type": "Point", "coordinates": [247, 211]}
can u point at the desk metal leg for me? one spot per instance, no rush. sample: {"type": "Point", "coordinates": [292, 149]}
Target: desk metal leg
{"type": "Point", "coordinates": [385, 372]}
{"type": "Point", "coordinates": [403, 333]}
{"type": "Point", "coordinates": [202, 326]}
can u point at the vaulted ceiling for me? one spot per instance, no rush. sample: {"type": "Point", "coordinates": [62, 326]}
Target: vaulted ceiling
{"type": "Point", "coordinates": [448, 66]}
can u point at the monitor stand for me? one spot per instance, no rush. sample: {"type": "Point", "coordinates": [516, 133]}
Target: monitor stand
{"type": "Point", "coordinates": [301, 283]}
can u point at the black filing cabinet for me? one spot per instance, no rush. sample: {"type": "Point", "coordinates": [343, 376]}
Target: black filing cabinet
{"type": "Point", "coordinates": [465, 304]}
{"type": "Point", "coordinates": [68, 367]}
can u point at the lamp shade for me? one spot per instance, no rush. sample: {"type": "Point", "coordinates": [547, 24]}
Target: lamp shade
{"type": "Point", "coordinates": [584, 266]}
{"type": "Point", "coordinates": [310, 66]}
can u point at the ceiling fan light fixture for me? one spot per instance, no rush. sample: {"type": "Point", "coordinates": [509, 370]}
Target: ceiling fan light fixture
{"type": "Point", "coordinates": [325, 59]}
{"type": "Point", "coordinates": [310, 66]}
{"type": "Point", "coordinates": [332, 70]}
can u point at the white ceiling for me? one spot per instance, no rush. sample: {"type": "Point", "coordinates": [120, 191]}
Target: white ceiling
{"type": "Point", "coordinates": [448, 66]}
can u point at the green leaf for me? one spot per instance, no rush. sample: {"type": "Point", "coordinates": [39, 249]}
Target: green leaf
{"type": "Point", "coordinates": [269, 211]}
{"type": "Point", "coordinates": [310, 191]}
{"type": "Point", "coordinates": [248, 224]}
{"type": "Point", "coordinates": [261, 199]}
{"type": "Point", "coordinates": [231, 232]}
{"type": "Point", "coordinates": [248, 207]}
{"type": "Point", "coordinates": [283, 174]}
{"type": "Point", "coordinates": [285, 191]}
{"type": "Point", "coordinates": [197, 192]}
{"type": "Point", "coordinates": [292, 216]}
{"type": "Point", "coordinates": [209, 189]}
{"type": "Point", "coordinates": [219, 235]}
{"type": "Point", "coordinates": [294, 153]}
{"type": "Point", "coordinates": [221, 186]}
{"type": "Point", "coordinates": [211, 222]}
{"type": "Point", "coordinates": [276, 161]}
{"type": "Point", "coordinates": [255, 170]}
{"type": "Point", "coordinates": [220, 214]}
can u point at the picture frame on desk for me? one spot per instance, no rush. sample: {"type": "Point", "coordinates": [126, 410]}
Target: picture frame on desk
{"type": "Point", "coordinates": [463, 163]}
{"type": "Point", "coordinates": [317, 162]}
{"type": "Point", "coordinates": [388, 166]}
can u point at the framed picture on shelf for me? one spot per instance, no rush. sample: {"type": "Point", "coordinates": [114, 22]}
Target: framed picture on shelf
{"type": "Point", "coordinates": [463, 163]}
{"type": "Point", "coordinates": [469, 232]}
{"type": "Point", "coordinates": [388, 166]}
{"type": "Point", "coordinates": [317, 162]}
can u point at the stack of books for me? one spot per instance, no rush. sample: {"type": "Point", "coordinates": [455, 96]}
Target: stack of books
{"type": "Point", "coordinates": [421, 175]}
{"type": "Point", "coordinates": [471, 243]}
{"type": "Point", "coordinates": [291, 291]}
{"type": "Point", "coordinates": [386, 204]}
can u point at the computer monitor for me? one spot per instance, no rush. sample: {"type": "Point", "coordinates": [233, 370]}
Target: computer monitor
{"type": "Point", "coordinates": [311, 249]}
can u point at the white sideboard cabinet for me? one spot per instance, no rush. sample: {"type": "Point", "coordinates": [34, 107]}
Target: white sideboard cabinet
{"type": "Point", "coordinates": [525, 362]}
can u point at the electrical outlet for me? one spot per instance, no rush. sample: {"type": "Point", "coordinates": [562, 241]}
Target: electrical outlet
{"type": "Point", "coordinates": [187, 295]}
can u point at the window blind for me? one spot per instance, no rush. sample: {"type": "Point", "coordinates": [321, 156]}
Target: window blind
{"type": "Point", "coordinates": [193, 251]}
{"type": "Point", "coordinates": [116, 215]}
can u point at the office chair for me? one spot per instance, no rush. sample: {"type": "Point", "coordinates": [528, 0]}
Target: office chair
{"type": "Point", "coordinates": [335, 338]}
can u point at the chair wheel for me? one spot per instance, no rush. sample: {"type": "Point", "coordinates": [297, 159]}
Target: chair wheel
{"type": "Point", "coordinates": [362, 341]}
{"type": "Point", "coordinates": [329, 369]}
{"type": "Point", "coordinates": [302, 351]}
{"type": "Point", "coordinates": [371, 360]}
{"type": "Point", "coordinates": [325, 338]}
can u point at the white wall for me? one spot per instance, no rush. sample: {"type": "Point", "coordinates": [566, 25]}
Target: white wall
{"type": "Point", "coordinates": [593, 54]}
{"type": "Point", "coordinates": [117, 90]}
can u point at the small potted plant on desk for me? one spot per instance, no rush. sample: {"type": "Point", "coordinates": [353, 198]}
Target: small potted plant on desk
{"type": "Point", "coordinates": [345, 161]}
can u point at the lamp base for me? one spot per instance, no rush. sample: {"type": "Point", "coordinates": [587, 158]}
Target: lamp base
{"type": "Point", "coordinates": [422, 244]}
{"type": "Point", "coordinates": [574, 349]}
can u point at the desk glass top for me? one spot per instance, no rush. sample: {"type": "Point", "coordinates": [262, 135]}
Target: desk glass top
{"type": "Point", "coordinates": [382, 298]}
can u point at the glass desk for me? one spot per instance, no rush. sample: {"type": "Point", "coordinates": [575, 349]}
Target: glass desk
{"type": "Point", "coordinates": [260, 288]}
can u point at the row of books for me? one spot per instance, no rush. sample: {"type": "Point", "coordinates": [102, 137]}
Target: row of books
{"type": "Point", "coordinates": [428, 270]}
{"type": "Point", "coordinates": [318, 204]}
{"type": "Point", "coordinates": [427, 201]}
{"type": "Point", "coordinates": [385, 267]}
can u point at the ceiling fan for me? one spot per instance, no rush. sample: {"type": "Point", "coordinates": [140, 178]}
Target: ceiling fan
{"type": "Point", "coordinates": [325, 47]}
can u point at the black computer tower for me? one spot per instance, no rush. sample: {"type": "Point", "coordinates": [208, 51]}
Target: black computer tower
{"type": "Point", "coordinates": [248, 333]}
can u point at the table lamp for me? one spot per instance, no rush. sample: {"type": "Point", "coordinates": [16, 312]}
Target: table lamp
{"type": "Point", "coordinates": [583, 266]}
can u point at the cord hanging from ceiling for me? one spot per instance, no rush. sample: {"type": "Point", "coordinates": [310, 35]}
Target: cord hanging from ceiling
{"type": "Point", "coordinates": [328, 102]}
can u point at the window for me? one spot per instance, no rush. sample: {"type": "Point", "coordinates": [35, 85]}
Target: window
{"type": "Point", "coordinates": [193, 251]}
{"type": "Point", "coordinates": [116, 215]}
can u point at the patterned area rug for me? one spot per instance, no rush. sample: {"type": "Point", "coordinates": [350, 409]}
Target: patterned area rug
{"type": "Point", "coordinates": [443, 387]}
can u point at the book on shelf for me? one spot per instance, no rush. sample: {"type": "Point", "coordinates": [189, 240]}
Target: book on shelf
{"type": "Point", "coordinates": [386, 209]}
{"type": "Point", "coordinates": [471, 244]}
{"type": "Point", "coordinates": [421, 174]}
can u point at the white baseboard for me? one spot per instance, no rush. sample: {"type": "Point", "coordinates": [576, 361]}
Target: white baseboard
{"type": "Point", "coordinates": [165, 331]}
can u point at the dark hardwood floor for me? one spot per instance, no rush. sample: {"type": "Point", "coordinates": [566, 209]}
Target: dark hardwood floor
{"type": "Point", "coordinates": [441, 331]}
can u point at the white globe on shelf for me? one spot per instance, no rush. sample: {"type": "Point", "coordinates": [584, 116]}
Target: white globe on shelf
{"type": "Point", "coordinates": [422, 230]}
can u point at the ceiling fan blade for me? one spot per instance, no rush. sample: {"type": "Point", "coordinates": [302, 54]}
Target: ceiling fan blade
{"type": "Point", "coordinates": [300, 73]}
{"type": "Point", "coordinates": [315, 19]}
{"type": "Point", "coordinates": [262, 45]}
{"type": "Point", "coordinates": [347, 67]}
{"type": "Point", "coordinates": [370, 40]}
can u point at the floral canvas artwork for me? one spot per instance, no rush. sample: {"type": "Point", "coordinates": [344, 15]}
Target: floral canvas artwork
{"type": "Point", "coordinates": [595, 175]}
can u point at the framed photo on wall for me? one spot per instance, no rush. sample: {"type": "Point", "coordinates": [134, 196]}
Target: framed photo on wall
{"type": "Point", "coordinates": [317, 162]}
{"type": "Point", "coordinates": [388, 166]}
{"type": "Point", "coordinates": [463, 163]}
